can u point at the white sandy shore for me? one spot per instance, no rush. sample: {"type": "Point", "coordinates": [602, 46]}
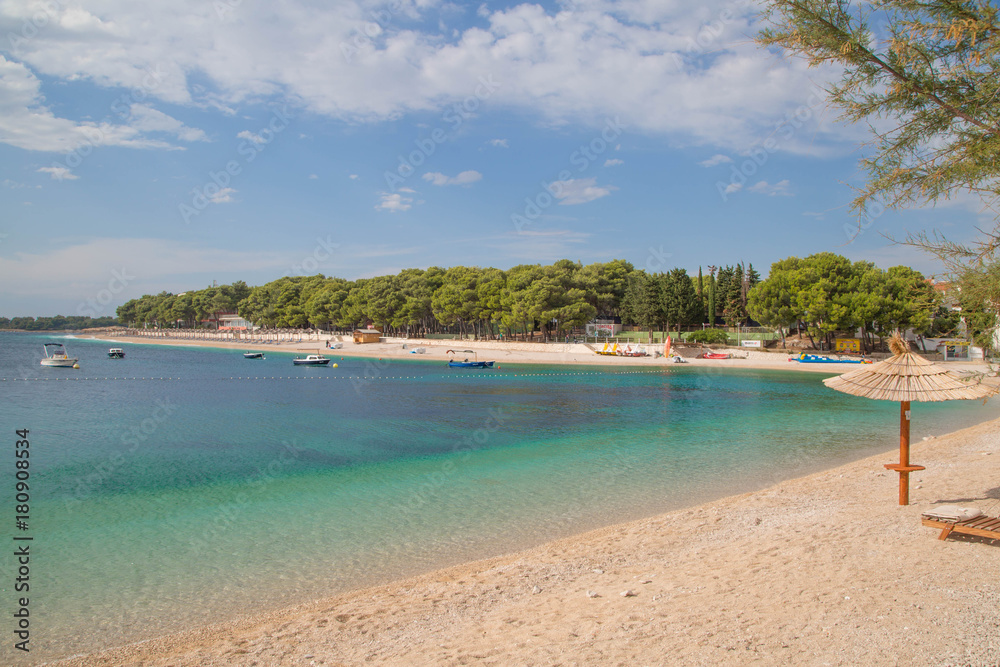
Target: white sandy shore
{"type": "Point", "coordinates": [525, 353]}
{"type": "Point", "coordinates": [822, 570]}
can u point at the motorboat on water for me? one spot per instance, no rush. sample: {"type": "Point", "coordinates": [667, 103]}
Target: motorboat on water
{"type": "Point", "coordinates": [116, 353]}
{"type": "Point", "coordinates": [475, 363]}
{"type": "Point", "coordinates": [311, 360]}
{"type": "Point", "coordinates": [55, 355]}
{"type": "Point", "coordinates": [253, 355]}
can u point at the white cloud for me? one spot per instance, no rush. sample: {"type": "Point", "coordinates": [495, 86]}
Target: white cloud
{"type": "Point", "coordinates": [716, 159]}
{"type": "Point", "coordinates": [59, 173]}
{"type": "Point", "coordinates": [147, 119]}
{"type": "Point", "coordinates": [394, 202]}
{"type": "Point", "coordinates": [14, 185]}
{"type": "Point", "coordinates": [779, 189]}
{"type": "Point", "coordinates": [613, 162]}
{"type": "Point", "coordinates": [250, 136]}
{"type": "Point", "coordinates": [578, 191]}
{"type": "Point", "coordinates": [223, 196]}
{"type": "Point", "coordinates": [313, 177]}
{"type": "Point", "coordinates": [499, 143]}
{"type": "Point", "coordinates": [733, 187]}
{"type": "Point", "coordinates": [584, 62]}
{"type": "Point", "coordinates": [353, 177]}
{"type": "Point", "coordinates": [464, 178]}
{"type": "Point", "coordinates": [27, 123]}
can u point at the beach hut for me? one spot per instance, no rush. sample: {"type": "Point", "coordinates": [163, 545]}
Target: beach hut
{"type": "Point", "coordinates": [367, 335]}
{"type": "Point", "coordinates": [907, 377]}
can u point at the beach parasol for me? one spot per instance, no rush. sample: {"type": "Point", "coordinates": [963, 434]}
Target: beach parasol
{"type": "Point", "coordinates": [907, 377]}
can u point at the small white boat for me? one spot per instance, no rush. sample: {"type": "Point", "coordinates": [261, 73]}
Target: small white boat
{"type": "Point", "coordinates": [116, 353]}
{"type": "Point", "coordinates": [57, 356]}
{"type": "Point", "coordinates": [253, 355]}
{"type": "Point", "coordinates": [419, 350]}
{"type": "Point", "coordinates": [311, 360]}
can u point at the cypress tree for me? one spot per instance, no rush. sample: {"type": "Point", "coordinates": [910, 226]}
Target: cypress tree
{"type": "Point", "coordinates": [711, 296]}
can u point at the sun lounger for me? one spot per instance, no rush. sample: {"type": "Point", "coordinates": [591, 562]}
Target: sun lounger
{"type": "Point", "coordinates": [951, 519]}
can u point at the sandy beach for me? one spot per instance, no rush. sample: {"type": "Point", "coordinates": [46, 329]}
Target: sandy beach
{"type": "Point", "coordinates": [524, 353]}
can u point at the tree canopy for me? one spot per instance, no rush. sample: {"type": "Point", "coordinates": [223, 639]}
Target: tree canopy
{"type": "Point", "coordinates": [528, 298]}
{"type": "Point", "coordinates": [925, 76]}
{"type": "Point", "coordinates": [931, 68]}
{"type": "Point", "coordinates": [829, 294]}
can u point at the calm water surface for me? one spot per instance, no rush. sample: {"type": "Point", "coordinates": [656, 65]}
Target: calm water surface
{"type": "Point", "coordinates": [232, 485]}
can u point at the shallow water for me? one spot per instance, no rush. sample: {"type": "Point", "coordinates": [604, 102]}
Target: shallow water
{"type": "Point", "coordinates": [234, 485]}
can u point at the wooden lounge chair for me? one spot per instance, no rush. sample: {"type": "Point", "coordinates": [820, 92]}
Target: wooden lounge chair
{"type": "Point", "coordinates": [981, 525]}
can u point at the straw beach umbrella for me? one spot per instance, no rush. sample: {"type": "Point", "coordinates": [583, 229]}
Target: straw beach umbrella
{"type": "Point", "coordinates": [907, 377]}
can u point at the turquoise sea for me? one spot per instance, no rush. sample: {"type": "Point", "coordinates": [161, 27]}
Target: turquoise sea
{"type": "Point", "coordinates": [183, 486]}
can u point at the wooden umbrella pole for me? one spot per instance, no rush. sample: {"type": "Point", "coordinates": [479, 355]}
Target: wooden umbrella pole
{"type": "Point", "coordinates": [904, 453]}
{"type": "Point", "coordinates": [904, 468]}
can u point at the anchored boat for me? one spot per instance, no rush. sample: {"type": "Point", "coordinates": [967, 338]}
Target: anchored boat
{"type": "Point", "coordinates": [454, 363]}
{"type": "Point", "coordinates": [311, 360]}
{"type": "Point", "coordinates": [55, 355]}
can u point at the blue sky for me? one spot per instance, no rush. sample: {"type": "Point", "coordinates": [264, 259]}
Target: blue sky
{"type": "Point", "coordinates": [163, 146]}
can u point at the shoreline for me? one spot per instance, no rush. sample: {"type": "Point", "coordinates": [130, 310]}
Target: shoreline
{"type": "Point", "coordinates": [521, 353]}
{"type": "Point", "coordinates": [825, 568]}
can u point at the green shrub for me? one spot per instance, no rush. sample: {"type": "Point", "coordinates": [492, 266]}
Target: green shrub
{"type": "Point", "coordinates": [710, 336]}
